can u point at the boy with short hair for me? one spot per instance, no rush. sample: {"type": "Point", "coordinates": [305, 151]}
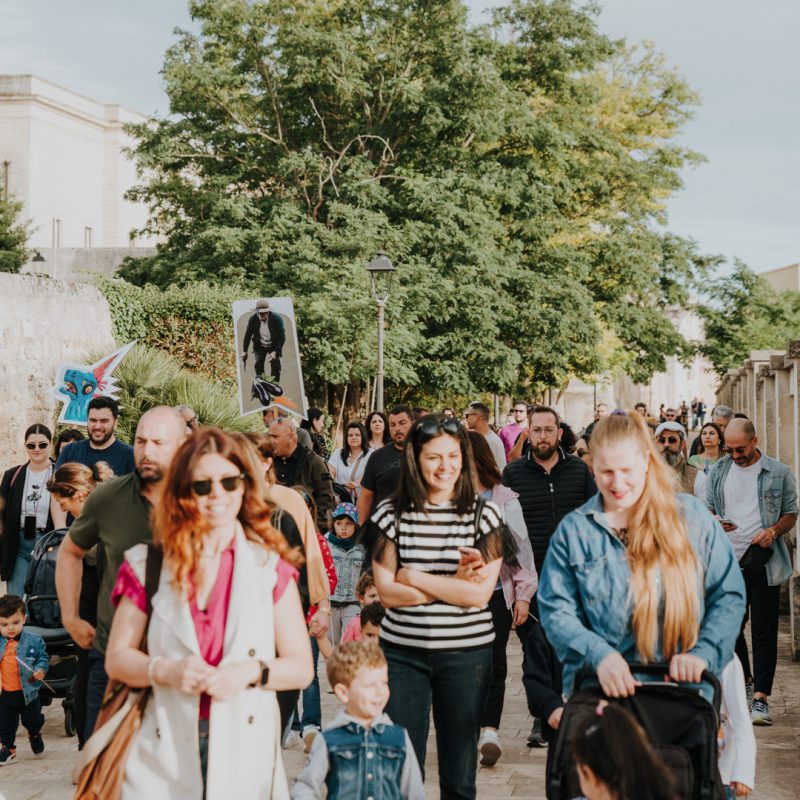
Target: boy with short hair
{"type": "Point", "coordinates": [367, 594]}
{"type": "Point", "coordinates": [381, 763]}
{"type": "Point", "coordinates": [23, 665]}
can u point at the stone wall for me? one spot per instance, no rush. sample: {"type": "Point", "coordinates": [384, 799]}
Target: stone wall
{"type": "Point", "coordinates": [83, 263]}
{"type": "Point", "coordinates": [43, 322]}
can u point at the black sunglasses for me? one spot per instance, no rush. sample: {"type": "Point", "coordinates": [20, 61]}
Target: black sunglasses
{"type": "Point", "coordinates": [738, 450]}
{"type": "Point", "coordinates": [40, 445]}
{"type": "Point", "coordinates": [229, 484]}
{"type": "Point", "coordinates": [432, 427]}
{"type": "Point", "coordinates": [669, 439]}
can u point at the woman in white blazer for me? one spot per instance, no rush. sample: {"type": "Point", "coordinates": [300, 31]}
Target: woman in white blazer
{"type": "Point", "coordinates": [226, 632]}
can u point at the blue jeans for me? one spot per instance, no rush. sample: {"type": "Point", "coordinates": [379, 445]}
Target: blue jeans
{"type": "Point", "coordinates": [16, 582]}
{"type": "Point", "coordinates": [456, 685]}
{"type": "Point", "coordinates": [312, 710]}
{"type": "Point", "coordinates": [96, 682]}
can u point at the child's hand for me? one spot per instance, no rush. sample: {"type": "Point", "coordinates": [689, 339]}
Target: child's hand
{"type": "Point", "coordinates": [38, 675]}
{"type": "Point", "coordinates": [740, 789]}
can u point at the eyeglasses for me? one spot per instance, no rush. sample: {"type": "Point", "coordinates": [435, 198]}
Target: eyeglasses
{"type": "Point", "coordinates": [739, 451]}
{"type": "Point", "coordinates": [40, 445]}
{"type": "Point", "coordinates": [669, 440]}
{"type": "Point", "coordinates": [230, 483]}
{"type": "Point", "coordinates": [431, 427]}
{"type": "Point", "coordinates": [545, 431]}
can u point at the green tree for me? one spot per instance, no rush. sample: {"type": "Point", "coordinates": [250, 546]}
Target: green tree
{"type": "Point", "coordinates": [13, 236]}
{"type": "Point", "coordinates": [516, 174]}
{"type": "Point", "coordinates": [742, 312]}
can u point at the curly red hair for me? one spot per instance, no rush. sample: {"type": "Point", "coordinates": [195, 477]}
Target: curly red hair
{"type": "Point", "coordinates": [177, 523]}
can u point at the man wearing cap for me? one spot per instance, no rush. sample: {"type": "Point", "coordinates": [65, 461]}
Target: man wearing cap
{"type": "Point", "coordinates": [268, 334]}
{"type": "Point", "coordinates": [671, 441]}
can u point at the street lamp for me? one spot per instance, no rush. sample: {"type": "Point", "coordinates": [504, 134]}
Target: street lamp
{"type": "Point", "coordinates": [38, 264]}
{"type": "Point", "coordinates": [380, 277]}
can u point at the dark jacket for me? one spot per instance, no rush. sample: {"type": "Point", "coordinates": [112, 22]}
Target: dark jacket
{"type": "Point", "coordinates": [547, 498]}
{"type": "Point", "coordinates": [312, 474]}
{"type": "Point", "coordinates": [277, 332]}
{"type": "Point", "coordinates": [10, 513]}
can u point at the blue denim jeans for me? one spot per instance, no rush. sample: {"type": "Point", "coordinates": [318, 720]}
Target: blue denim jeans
{"type": "Point", "coordinates": [312, 710]}
{"type": "Point", "coordinates": [455, 685]}
{"type": "Point", "coordinates": [16, 581]}
{"type": "Point", "coordinates": [96, 682]}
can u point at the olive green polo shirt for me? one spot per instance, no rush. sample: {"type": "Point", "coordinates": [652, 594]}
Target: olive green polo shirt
{"type": "Point", "coordinates": [118, 515]}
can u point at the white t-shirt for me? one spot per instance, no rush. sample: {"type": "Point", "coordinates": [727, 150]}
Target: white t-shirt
{"type": "Point", "coordinates": [498, 449]}
{"type": "Point", "coordinates": [741, 505]}
{"type": "Point", "coordinates": [344, 472]}
{"type": "Point", "coordinates": [36, 499]}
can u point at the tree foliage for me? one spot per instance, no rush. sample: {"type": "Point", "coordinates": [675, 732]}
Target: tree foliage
{"type": "Point", "coordinates": [742, 312]}
{"type": "Point", "coordinates": [516, 173]}
{"type": "Point", "coordinates": [13, 236]}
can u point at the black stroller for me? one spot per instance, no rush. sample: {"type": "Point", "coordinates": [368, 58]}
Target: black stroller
{"type": "Point", "coordinates": [680, 723]}
{"type": "Point", "coordinates": [44, 619]}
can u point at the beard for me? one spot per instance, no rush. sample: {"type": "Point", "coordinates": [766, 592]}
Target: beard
{"type": "Point", "coordinates": [673, 459]}
{"type": "Point", "coordinates": [150, 473]}
{"type": "Point", "coordinates": [100, 437]}
{"type": "Point", "coordinates": [544, 452]}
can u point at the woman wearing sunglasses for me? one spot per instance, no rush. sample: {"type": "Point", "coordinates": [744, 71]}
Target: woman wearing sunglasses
{"type": "Point", "coordinates": [25, 508]}
{"type": "Point", "coordinates": [436, 563]}
{"type": "Point", "coordinates": [226, 632]}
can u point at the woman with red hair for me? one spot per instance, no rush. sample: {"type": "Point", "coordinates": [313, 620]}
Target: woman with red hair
{"type": "Point", "coordinates": [226, 631]}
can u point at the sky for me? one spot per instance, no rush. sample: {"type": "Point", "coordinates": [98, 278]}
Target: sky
{"type": "Point", "coordinates": [740, 56]}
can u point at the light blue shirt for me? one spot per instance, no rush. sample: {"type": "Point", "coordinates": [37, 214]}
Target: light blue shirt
{"type": "Point", "coordinates": [584, 593]}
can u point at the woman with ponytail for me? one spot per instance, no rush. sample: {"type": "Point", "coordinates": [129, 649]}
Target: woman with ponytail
{"type": "Point", "coordinates": [640, 572]}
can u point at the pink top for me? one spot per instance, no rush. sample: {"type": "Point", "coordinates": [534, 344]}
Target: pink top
{"type": "Point", "coordinates": [209, 623]}
{"type": "Point", "coordinates": [509, 434]}
{"type": "Point", "coordinates": [352, 633]}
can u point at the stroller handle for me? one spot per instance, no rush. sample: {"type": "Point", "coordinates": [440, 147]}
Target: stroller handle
{"type": "Point", "coordinates": [661, 668]}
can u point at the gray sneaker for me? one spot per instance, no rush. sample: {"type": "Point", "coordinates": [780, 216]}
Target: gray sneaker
{"type": "Point", "coordinates": [759, 715]}
{"type": "Point", "coordinates": [749, 688]}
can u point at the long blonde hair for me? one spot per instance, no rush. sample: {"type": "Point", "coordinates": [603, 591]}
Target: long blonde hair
{"type": "Point", "coordinates": [658, 541]}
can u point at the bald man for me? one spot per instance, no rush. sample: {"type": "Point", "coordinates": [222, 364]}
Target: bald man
{"type": "Point", "coordinates": [756, 499]}
{"type": "Point", "coordinates": [116, 517]}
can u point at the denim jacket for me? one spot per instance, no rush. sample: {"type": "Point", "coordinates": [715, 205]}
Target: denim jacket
{"type": "Point", "coordinates": [777, 495]}
{"type": "Point", "coordinates": [31, 652]}
{"type": "Point", "coordinates": [584, 591]}
{"type": "Point", "coordinates": [347, 564]}
{"type": "Point", "coordinates": [357, 763]}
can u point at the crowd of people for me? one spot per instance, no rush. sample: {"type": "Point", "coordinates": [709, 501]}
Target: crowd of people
{"type": "Point", "coordinates": [212, 569]}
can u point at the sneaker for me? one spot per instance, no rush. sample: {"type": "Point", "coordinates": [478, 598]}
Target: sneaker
{"type": "Point", "coordinates": [37, 743]}
{"type": "Point", "coordinates": [536, 739]}
{"type": "Point", "coordinates": [489, 747]}
{"type": "Point", "coordinates": [760, 713]}
{"type": "Point", "coordinates": [749, 688]}
{"type": "Point", "coordinates": [8, 755]}
{"type": "Point", "coordinates": [292, 738]}
{"type": "Point", "coordinates": [309, 734]}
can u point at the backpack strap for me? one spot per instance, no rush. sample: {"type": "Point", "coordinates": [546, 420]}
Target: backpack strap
{"type": "Point", "coordinates": [152, 575]}
{"type": "Point", "coordinates": [16, 475]}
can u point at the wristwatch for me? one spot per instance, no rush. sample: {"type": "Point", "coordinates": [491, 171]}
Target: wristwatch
{"type": "Point", "coordinates": [264, 677]}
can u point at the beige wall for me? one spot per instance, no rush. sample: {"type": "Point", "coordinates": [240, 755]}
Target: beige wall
{"type": "Point", "coordinates": [43, 322]}
{"type": "Point", "coordinates": [784, 278]}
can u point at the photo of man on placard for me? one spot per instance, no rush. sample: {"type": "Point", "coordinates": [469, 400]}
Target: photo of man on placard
{"type": "Point", "coordinates": [267, 333]}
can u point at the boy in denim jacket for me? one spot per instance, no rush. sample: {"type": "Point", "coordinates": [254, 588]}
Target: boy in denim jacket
{"type": "Point", "coordinates": [361, 754]}
{"type": "Point", "coordinates": [348, 558]}
{"type": "Point", "coordinates": [23, 665]}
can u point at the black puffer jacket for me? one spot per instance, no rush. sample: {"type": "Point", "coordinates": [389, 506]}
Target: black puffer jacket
{"type": "Point", "coordinates": [547, 498]}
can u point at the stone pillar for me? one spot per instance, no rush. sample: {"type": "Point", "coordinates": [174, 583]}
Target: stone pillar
{"type": "Point", "coordinates": [789, 434]}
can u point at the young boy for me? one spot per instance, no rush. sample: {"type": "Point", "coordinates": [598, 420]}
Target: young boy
{"type": "Point", "coordinates": [348, 556]}
{"type": "Point", "coordinates": [23, 665]}
{"type": "Point", "coordinates": [367, 594]}
{"type": "Point", "coordinates": [369, 629]}
{"type": "Point", "coordinates": [377, 760]}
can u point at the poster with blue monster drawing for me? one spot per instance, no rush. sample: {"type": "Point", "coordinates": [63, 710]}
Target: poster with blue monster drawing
{"type": "Point", "coordinates": [77, 384]}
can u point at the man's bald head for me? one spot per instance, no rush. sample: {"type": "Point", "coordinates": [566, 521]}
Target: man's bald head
{"type": "Point", "coordinates": [741, 442]}
{"type": "Point", "coordinates": [284, 438]}
{"type": "Point", "coordinates": [740, 428]}
{"type": "Point", "coordinates": [159, 434]}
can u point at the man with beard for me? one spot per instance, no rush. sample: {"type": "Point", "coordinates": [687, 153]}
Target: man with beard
{"type": "Point", "coordinates": [102, 445]}
{"type": "Point", "coordinates": [670, 439]}
{"type": "Point", "coordinates": [116, 517]}
{"type": "Point", "coordinates": [550, 484]}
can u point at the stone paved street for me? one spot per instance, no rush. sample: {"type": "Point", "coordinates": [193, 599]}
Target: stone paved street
{"type": "Point", "coordinates": [519, 773]}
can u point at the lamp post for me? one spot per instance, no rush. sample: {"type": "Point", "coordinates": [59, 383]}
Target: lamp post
{"type": "Point", "coordinates": [380, 271]}
{"type": "Point", "coordinates": [38, 264]}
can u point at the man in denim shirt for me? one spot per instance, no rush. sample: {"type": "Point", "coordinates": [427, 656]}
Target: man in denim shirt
{"type": "Point", "coordinates": [756, 499]}
{"type": "Point", "coordinates": [361, 755]}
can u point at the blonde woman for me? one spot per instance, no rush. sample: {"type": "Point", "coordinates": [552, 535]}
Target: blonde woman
{"type": "Point", "coordinates": [640, 572]}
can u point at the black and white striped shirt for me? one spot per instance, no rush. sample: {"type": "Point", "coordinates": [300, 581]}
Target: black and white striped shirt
{"type": "Point", "coordinates": [428, 541]}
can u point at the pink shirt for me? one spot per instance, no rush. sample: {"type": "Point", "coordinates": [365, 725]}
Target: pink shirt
{"type": "Point", "coordinates": [352, 633]}
{"type": "Point", "coordinates": [509, 434]}
{"type": "Point", "coordinates": [210, 622]}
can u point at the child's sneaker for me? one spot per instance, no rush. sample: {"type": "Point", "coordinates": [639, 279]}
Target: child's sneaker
{"type": "Point", "coordinates": [37, 743]}
{"type": "Point", "coordinates": [309, 734]}
{"type": "Point", "coordinates": [8, 755]}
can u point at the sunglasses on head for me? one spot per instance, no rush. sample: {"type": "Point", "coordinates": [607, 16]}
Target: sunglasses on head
{"type": "Point", "coordinates": [230, 483]}
{"type": "Point", "coordinates": [431, 427]}
{"type": "Point", "coordinates": [40, 445]}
